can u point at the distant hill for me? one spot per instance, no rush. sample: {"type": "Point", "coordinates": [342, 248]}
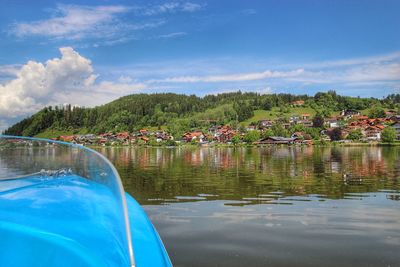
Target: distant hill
{"type": "Point", "coordinates": [178, 113]}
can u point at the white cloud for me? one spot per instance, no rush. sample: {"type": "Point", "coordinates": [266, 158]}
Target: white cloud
{"type": "Point", "coordinates": [9, 70]}
{"type": "Point", "coordinates": [69, 79]}
{"type": "Point", "coordinates": [379, 59]}
{"type": "Point", "coordinates": [191, 7]}
{"type": "Point", "coordinates": [240, 77]}
{"type": "Point", "coordinates": [103, 25]}
{"type": "Point", "coordinates": [249, 11]}
{"type": "Point", "coordinates": [172, 7]}
{"type": "Point", "coordinates": [75, 22]}
{"type": "Point", "coordinates": [265, 91]}
{"type": "Point", "coordinates": [347, 75]}
{"type": "Point", "coordinates": [172, 35]}
{"type": "Point", "coordinates": [374, 72]}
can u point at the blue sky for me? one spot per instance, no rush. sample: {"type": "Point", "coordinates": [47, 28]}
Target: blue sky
{"type": "Point", "coordinates": [91, 52]}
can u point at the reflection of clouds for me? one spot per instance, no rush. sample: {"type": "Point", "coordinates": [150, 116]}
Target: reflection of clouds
{"type": "Point", "coordinates": [168, 218]}
{"type": "Point", "coordinates": [391, 241]}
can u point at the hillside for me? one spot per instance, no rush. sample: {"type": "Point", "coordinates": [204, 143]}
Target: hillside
{"type": "Point", "coordinates": [180, 113]}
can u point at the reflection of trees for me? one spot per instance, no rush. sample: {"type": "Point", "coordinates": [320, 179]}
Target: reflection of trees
{"type": "Point", "coordinates": [236, 173]}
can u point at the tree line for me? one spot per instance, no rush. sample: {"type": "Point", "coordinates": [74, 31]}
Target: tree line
{"type": "Point", "coordinates": [183, 112]}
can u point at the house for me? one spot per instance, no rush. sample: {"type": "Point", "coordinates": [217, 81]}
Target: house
{"type": "Point", "coordinates": [251, 128]}
{"type": "Point", "coordinates": [301, 135]}
{"type": "Point", "coordinates": [213, 129]}
{"type": "Point", "coordinates": [67, 138]}
{"type": "Point", "coordinates": [373, 133]}
{"type": "Point", "coordinates": [305, 116]}
{"type": "Point", "coordinates": [350, 113]}
{"type": "Point", "coordinates": [163, 136]}
{"type": "Point", "coordinates": [278, 140]}
{"type": "Point", "coordinates": [331, 122]}
{"type": "Point", "coordinates": [396, 126]}
{"type": "Point", "coordinates": [395, 118]}
{"type": "Point", "coordinates": [390, 113]}
{"type": "Point", "coordinates": [86, 139]}
{"type": "Point", "coordinates": [294, 119]}
{"type": "Point", "coordinates": [298, 103]}
{"type": "Point", "coordinates": [222, 134]}
{"type": "Point", "coordinates": [192, 136]}
{"type": "Point", "coordinates": [143, 132]}
{"type": "Point", "coordinates": [265, 124]}
{"type": "Point", "coordinates": [306, 123]}
{"type": "Point", "coordinates": [144, 139]}
{"type": "Point", "coordinates": [122, 136]}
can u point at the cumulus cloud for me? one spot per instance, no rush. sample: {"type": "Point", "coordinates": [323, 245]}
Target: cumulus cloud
{"type": "Point", "coordinates": [68, 79]}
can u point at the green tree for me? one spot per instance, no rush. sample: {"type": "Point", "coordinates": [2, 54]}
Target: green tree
{"type": "Point", "coordinates": [278, 130]}
{"type": "Point", "coordinates": [267, 133]}
{"type": "Point", "coordinates": [235, 139]}
{"type": "Point", "coordinates": [251, 136]}
{"type": "Point", "coordinates": [377, 112]}
{"type": "Point", "coordinates": [335, 134]}
{"type": "Point", "coordinates": [355, 135]}
{"type": "Point", "coordinates": [388, 135]}
{"type": "Point", "coordinates": [318, 121]}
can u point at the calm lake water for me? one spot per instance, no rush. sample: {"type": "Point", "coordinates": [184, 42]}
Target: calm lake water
{"type": "Point", "coordinates": [274, 206]}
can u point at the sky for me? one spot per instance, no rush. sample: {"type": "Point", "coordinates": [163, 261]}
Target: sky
{"type": "Point", "coordinates": [88, 53]}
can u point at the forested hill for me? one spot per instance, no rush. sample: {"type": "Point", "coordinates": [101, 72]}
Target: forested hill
{"type": "Point", "coordinates": [179, 113]}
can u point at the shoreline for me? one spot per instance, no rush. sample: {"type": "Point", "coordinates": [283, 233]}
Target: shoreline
{"type": "Point", "coordinates": [357, 144]}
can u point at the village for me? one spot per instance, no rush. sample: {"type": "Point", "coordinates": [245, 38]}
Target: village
{"type": "Point", "coordinates": [349, 127]}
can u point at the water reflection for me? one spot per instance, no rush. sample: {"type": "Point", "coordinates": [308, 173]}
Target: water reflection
{"type": "Point", "coordinates": [277, 206]}
{"type": "Point", "coordinates": [255, 175]}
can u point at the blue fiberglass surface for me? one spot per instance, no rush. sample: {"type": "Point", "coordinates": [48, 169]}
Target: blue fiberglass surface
{"type": "Point", "coordinates": [146, 241]}
{"type": "Point", "coordinates": [74, 217]}
{"type": "Point", "coordinates": [54, 223]}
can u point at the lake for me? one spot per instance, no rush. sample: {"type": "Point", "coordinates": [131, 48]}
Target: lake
{"type": "Point", "coordinates": [272, 206]}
